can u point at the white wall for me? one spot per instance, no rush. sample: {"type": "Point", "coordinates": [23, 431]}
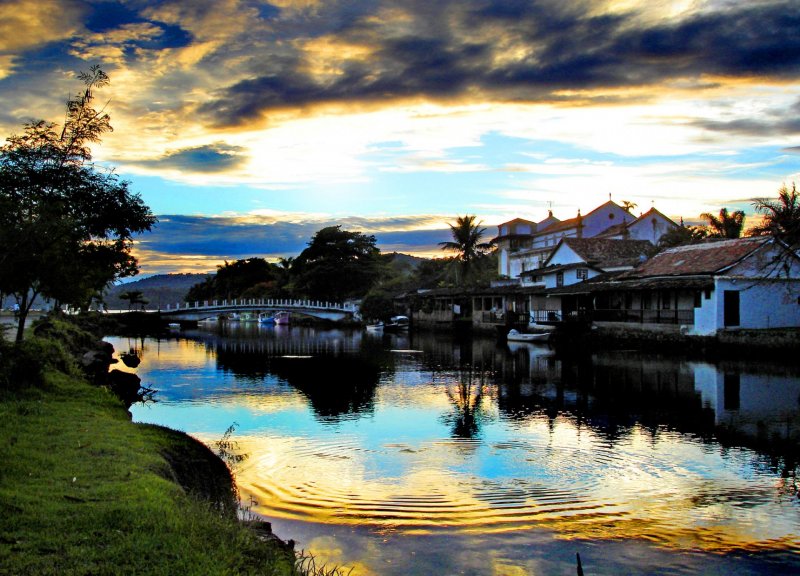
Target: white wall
{"type": "Point", "coordinates": [650, 228]}
{"type": "Point", "coordinates": [762, 304]}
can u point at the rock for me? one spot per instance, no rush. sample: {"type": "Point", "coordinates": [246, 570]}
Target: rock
{"type": "Point", "coordinates": [125, 385]}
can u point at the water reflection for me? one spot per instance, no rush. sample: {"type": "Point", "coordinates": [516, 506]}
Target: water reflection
{"type": "Point", "coordinates": [423, 432]}
{"type": "Point", "coordinates": [466, 396]}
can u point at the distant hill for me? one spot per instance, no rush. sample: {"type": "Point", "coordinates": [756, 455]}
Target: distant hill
{"type": "Point", "coordinates": [403, 262]}
{"type": "Point", "coordinates": [159, 290]}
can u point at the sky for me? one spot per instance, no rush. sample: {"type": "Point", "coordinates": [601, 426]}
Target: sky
{"type": "Point", "coordinates": [247, 126]}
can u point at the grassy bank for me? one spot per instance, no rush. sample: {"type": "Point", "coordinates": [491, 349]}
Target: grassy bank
{"type": "Point", "coordinates": [83, 490]}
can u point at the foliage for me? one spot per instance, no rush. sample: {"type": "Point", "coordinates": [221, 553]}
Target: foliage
{"type": "Point", "coordinates": [249, 278]}
{"type": "Point", "coordinates": [627, 205]}
{"type": "Point", "coordinates": [781, 216]}
{"type": "Point", "coordinates": [378, 304]}
{"type": "Point", "coordinates": [24, 364]}
{"type": "Point", "coordinates": [467, 243]}
{"type": "Point", "coordinates": [336, 265]}
{"type": "Point", "coordinates": [680, 236]}
{"type": "Point", "coordinates": [134, 298]}
{"type": "Point", "coordinates": [726, 225]}
{"type": "Point", "coordinates": [66, 226]}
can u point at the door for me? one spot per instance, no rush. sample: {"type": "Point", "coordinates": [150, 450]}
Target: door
{"type": "Point", "coordinates": [731, 307]}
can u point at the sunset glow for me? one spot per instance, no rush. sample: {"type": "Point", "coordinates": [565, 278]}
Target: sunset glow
{"type": "Point", "coordinates": [415, 111]}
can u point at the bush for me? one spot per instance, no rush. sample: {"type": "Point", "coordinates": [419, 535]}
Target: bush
{"type": "Point", "coordinates": [23, 365]}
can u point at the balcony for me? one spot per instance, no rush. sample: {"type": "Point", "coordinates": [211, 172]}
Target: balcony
{"type": "Point", "coordinates": [682, 317]}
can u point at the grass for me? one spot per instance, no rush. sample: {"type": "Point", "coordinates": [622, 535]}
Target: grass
{"type": "Point", "coordinates": [83, 490]}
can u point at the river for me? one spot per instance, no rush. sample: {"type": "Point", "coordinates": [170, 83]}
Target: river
{"type": "Point", "coordinates": [429, 454]}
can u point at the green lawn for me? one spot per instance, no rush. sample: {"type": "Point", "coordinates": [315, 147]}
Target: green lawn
{"type": "Point", "coordinates": [83, 490]}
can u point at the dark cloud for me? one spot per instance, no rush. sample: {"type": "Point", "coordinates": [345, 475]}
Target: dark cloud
{"type": "Point", "coordinates": [223, 237]}
{"type": "Point", "coordinates": [775, 122]}
{"type": "Point", "coordinates": [212, 158]}
{"type": "Point", "coordinates": [452, 48]}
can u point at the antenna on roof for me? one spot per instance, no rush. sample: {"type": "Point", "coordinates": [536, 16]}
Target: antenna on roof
{"type": "Point", "coordinates": [609, 196]}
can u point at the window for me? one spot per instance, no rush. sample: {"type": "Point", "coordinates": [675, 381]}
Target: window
{"type": "Point", "coordinates": [582, 273]}
{"type": "Point", "coordinates": [707, 294]}
{"type": "Point", "coordinates": [559, 279]}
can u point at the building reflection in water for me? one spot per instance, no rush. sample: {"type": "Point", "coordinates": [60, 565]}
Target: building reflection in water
{"type": "Point", "coordinates": [424, 431]}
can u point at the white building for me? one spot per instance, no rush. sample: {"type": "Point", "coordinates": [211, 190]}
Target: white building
{"type": "Point", "coordinates": [748, 283]}
{"type": "Point", "coordinates": [524, 245]}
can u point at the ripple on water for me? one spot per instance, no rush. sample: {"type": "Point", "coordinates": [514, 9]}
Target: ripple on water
{"type": "Point", "coordinates": [335, 483]}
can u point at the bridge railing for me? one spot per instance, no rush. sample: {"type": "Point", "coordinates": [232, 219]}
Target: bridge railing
{"type": "Point", "coordinates": [287, 303]}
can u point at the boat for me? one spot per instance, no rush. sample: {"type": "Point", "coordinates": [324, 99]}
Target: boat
{"type": "Point", "coordinates": [376, 327]}
{"type": "Point", "coordinates": [264, 318]}
{"type": "Point", "coordinates": [282, 317]}
{"type": "Point", "coordinates": [515, 335]}
{"type": "Point", "coordinates": [396, 324]}
{"type": "Point", "coordinates": [538, 328]}
{"type": "Point", "coordinates": [174, 326]}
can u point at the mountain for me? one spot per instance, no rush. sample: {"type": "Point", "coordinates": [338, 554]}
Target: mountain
{"type": "Point", "coordinates": [159, 290]}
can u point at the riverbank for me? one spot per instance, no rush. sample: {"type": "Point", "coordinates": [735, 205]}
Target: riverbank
{"type": "Point", "coordinates": [83, 490]}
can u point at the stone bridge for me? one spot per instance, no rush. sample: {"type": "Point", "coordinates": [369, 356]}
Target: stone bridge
{"type": "Point", "coordinates": [209, 309]}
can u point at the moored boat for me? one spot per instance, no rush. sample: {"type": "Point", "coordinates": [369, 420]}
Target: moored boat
{"type": "Point", "coordinates": [396, 324]}
{"type": "Point", "coordinates": [282, 317]}
{"type": "Point", "coordinates": [515, 335]}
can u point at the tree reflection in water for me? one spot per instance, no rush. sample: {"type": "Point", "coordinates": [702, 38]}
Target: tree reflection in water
{"type": "Point", "coordinates": [466, 396]}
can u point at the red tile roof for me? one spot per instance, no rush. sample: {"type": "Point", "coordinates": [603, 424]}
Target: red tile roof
{"type": "Point", "coordinates": [706, 258]}
{"type": "Point", "coordinates": [608, 252]}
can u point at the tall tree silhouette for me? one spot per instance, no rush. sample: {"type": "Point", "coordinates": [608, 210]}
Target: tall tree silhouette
{"type": "Point", "coordinates": [467, 243]}
{"type": "Point", "coordinates": [66, 225]}
{"type": "Point", "coordinates": [726, 225]}
{"type": "Point", "coordinates": [781, 216]}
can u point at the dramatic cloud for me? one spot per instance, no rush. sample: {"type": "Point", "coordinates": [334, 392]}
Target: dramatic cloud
{"type": "Point", "coordinates": [217, 157]}
{"type": "Point", "coordinates": [380, 108]}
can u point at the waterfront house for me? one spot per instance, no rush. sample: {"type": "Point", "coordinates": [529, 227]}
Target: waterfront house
{"type": "Point", "coordinates": [702, 289]}
{"type": "Point", "coordinates": [576, 260]}
{"type": "Point", "coordinates": [523, 245]}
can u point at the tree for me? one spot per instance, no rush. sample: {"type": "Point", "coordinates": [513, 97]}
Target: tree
{"type": "Point", "coordinates": [725, 225]}
{"type": "Point", "coordinates": [467, 243]}
{"type": "Point", "coordinates": [336, 265]}
{"type": "Point", "coordinates": [134, 298]}
{"type": "Point", "coordinates": [781, 216]}
{"type": "Point", "coordinates": [627, 205]}
{"type": "Point", "coordinates": [248, 278]}
{"type": "Point", "coordinates": [66, 225]}
{"type": "Point", "coordinates": [680, 236]}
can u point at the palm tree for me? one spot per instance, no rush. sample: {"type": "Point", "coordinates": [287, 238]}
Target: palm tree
{"type": "Point", "coordinates": [725, 225]}
{"type": "Point", "coordinates": [781, 216]}
{"type": "Point", "coordinates": [628, 205]}
{"type": "Point", "coordinates": [466, 242]}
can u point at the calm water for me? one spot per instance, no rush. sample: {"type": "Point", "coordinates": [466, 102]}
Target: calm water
{"type": "Point", "coordinates": [423, 454]}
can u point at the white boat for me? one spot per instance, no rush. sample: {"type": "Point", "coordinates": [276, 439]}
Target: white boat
{"type": "Point", "coordinates": [282, 317]}
{"type": "Point", "coordinates": [517, 336]}
{"type": "Point", "coordinates": [376, 327]}
{"type": "Point", "coordinates": [397, 324]}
